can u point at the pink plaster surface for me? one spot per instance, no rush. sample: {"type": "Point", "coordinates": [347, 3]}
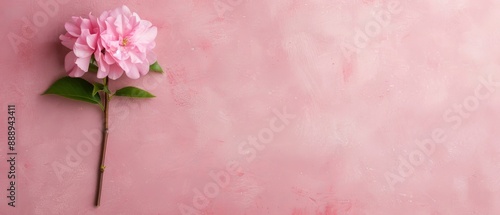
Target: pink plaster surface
{"type": "Point", "coordinates": [353, 145]}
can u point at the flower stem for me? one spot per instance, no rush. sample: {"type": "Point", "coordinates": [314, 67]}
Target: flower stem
{"type": "Point", "coordinates": [105, 132]}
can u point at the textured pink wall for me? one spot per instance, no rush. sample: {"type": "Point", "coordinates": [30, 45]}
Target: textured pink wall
{"type": "Point", "coordinates": [307, 106]}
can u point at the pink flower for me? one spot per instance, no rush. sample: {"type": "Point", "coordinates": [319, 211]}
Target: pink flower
{"type": "Point", "coordinates": [125, 44]}
{"type": "Point", "coordinates": [81, 37]}
{"type": "Point", "coordinates": [119, 41]}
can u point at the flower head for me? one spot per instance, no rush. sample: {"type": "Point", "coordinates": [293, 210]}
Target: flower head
{"type": "Point", "coordinates": [118, 39]}
{"type": "Point", "coordinates": [126, 44]}
{"type": "Point", "coordinates": [81, 37]}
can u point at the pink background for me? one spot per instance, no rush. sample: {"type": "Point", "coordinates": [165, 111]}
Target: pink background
{"type": "Point", "coordinates": [354, 145]}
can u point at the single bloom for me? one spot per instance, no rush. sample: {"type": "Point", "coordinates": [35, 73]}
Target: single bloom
{"type": "Point", "coordinates": [81, 37]}
{"type": "Point", "coordinates": [126, 44]}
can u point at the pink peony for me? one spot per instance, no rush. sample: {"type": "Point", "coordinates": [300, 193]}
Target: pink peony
{"type": "Point", "coordinates": [126, 44]}
{"type": "Point", "coordinates": [81, 37]}
{"type": "Point", "coordinates": [119, 41]}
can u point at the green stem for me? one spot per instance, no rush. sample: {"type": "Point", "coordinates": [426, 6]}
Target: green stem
{"type": "Point", "coordinates": [105, 132]}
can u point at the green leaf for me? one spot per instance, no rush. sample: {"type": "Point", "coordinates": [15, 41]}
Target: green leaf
{"type": "Point", "coordinates": [74, 88]}
{"type": "Point", "coordinates": [97, 87]}
{"type": "Point", "coordinates": [155, 67]}
{"type": "Point", "coordinates": [133, 92]}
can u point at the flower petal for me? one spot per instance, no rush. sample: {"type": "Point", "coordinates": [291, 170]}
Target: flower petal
{"type": "Point", "coordinates": [83, 63]}
{"type": "Point", "coordinates": [92, 41]}
{"type": "Point", "coordinates": [69, 61]}
{"type": "Point", "coordinates": [143, 68]}
{"type": "Point", "coordinates": [133, 72]}
{"type": "Point", "coordinates": [76, 72]}
{"type": "Point", "coordinates": [72, 29]}
{"type": "Point", "coordinates": [82, 50]}
{"type": "Point", "coordinates": [147, 36]}
{"type": "Point", "coordinates": [136, 57]}
{"type": "Point", "coordinates": [103, 70]}
{"type": "Point", "coordinates": [67, 40]}
{"type": "Point", "coordinates": [115, 72]}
